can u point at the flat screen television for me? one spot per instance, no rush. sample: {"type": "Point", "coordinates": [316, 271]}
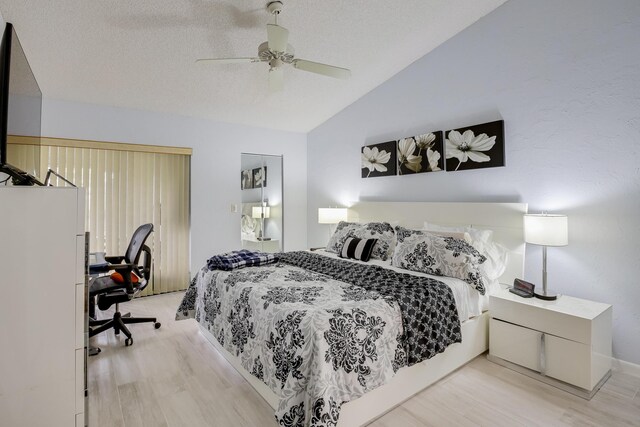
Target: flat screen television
{"type": "Point", "coordinates": [20, 104]}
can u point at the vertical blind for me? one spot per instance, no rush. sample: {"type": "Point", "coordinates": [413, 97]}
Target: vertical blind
{"type": "Point", "coordinates": [124, 189]}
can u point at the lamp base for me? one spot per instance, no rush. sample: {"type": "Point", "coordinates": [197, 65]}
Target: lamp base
{"type": "Point", "coordinates": [548, 295]}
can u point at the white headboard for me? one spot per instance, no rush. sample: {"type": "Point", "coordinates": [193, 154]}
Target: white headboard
{"type": "Point", "coordinates": [505, 219]}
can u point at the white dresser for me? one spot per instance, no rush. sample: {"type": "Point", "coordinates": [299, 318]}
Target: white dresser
{"type": "Point", "coordinates": [565, 342]}
{"type": "Point", "coordinates": [42, 307]}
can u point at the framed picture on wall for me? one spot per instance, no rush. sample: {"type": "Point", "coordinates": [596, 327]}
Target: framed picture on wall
{"type": "Point", "coordinates": [260, 177]}
{"type": "Point", "coordinates": [475, 147]}
{"type": "Point", "coordinates": [421, 153]}
{"type": "Point", "coordinates": [246, 179]}
{"type": "Point", "coordinates": [379, 159]}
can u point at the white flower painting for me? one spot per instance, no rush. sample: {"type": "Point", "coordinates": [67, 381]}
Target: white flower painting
{"type": "Point", "coordinates": [260, 177]}
{"type": "Point", "coordinates": [420, 153]}
{"type": "Point", "coordinates": [475, 147]}
{"type": "Point", "coordinates": [378, 159]}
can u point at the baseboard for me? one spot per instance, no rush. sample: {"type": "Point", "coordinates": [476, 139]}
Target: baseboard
{"type": "Point", "coordinates": [625, 367]}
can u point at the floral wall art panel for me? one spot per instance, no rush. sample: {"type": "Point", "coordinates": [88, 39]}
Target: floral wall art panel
{"type": "Point", "coordinates": [421, 153]}
{"type": "Point", "coordinates": [260, 177]}
{"type": "Point", "coordinates": [246, 179]}
{"type": "Point", "coordinates": [475, 147]}
{"type": "Point", "coordinates": [379, 159]}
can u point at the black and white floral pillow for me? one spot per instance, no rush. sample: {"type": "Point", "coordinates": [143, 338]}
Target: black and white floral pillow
{"type": "Point", "coordinates": [422, 251]}
{"type": "Point", "coordinates": [382, 231]}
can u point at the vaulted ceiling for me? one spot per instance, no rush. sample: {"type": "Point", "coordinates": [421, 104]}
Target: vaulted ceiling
{"type": "Point", "coordinates": [141, 54]}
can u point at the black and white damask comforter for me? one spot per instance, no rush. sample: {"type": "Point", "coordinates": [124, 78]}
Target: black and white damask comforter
{"type": "Point", "coordinates": [321, 331]}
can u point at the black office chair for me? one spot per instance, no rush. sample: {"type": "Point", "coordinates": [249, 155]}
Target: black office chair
{"type": "Point", "coordinates": [135, 277]}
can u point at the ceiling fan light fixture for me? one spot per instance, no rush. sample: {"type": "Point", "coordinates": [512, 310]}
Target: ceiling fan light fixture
{"type": "Point", "coordinates": [276, 63]}
{"type": "Point", "coordinates": [277, 52]}
{"type": "Point", "coordinates": [266, 55]}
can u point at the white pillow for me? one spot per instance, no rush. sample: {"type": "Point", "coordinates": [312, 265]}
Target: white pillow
{"type": "Point", "coordinates": [497, 258]}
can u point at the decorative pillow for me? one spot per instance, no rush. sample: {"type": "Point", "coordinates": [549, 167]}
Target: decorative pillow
{"type": "Point", "coordinates": [422, 251]}
{"type": "Point", "coordinates": [359, 249]}
{"type": "Point", "coordinates": [497, 255]}
{"type": "Point", "coordinates": [455, 234]}
{"type": "Point", "coordinates": [382, 231]}
{"type": "Point", "coordinates": [477, 234]}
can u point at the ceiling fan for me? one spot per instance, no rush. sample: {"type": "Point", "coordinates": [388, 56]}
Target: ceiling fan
{"type": "Point", "coordinates": [277, 52]}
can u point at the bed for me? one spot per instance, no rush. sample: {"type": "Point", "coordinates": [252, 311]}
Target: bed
{"type": "Point", "coordinates": [313, 330]}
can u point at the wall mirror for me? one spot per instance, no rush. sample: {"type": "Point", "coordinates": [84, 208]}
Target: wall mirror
{"type": "Point", "coordinates": [261, 221]}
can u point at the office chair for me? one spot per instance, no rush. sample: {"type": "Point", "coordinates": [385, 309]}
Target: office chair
{"type": "Point", "coordinates": [133, 278]}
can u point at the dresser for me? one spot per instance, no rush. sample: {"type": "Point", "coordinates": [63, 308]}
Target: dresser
{"type": "Point", "coordinates": [565, 342]}
{"type": "Point", "coordinates": [43, 307]}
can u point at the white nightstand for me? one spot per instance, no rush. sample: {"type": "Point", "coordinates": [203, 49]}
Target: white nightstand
{"type": "Point", "coordinates": [254, 244]}
{"type": "Point", "coordinates": [565, 343]}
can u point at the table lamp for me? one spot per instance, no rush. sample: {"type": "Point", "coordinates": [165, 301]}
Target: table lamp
{"type": "Point", "coordinates": [331, 216]}
{"type": "Point", "coordinates": [261, 213]}
{"type": "Point", "coordinates": [546, 230]}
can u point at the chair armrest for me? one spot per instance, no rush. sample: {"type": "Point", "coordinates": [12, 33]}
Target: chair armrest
{"type": "Point", "coordinates": [117, 259]}
{"type": "Point", "coordinates": [125, 270]}
{"type": "Point", "coordinates": [122, 267]}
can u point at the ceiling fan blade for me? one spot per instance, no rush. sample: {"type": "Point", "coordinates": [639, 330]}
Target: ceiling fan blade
{"type": "Point", "coordinates": [324, 69]}
{"type": "Point", "coordinates": [276, 80]}
{"type": "Point", "coordinates": [229, 60]}
{"type": "Point", "coordinates": [277, 37]}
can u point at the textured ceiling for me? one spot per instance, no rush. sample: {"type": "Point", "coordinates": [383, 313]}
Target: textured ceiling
{"type": "Point", "coordinates": [140, 54]}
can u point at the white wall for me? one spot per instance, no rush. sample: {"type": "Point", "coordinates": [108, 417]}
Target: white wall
{"type": "Point", "coordinates": [564, 76]}
{"type": "Point", "coordinates": [215, 164]}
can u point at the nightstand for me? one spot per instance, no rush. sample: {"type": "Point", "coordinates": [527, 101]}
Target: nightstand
{"type": "Point", "coordinates": [254, 244]}
{"type": "Point", "coordinates": [565, 343]}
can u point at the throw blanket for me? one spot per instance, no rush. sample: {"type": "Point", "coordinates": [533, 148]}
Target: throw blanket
{"type": "Point", "coordinates": [240, 259]}
{"type": "Point", "coordinates": [320, 331]}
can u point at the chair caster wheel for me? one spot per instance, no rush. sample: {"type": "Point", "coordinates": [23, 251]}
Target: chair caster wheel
{"type": "Point", "coordinates": [157, 325]}
{"type": "Point", "coordinates": [128, 342]}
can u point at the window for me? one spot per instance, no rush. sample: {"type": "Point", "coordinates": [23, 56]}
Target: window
{"type": "Point", "coordinates": [126, 185]}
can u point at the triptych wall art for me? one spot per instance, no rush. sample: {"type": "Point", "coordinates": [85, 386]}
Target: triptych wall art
{"type": "Point", "coordinates": [472, 147]}
{"type": "Point", "coordinates": [253, 178]}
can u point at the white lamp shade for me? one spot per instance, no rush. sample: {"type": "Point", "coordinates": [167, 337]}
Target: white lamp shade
{"type": "Point", "coordinates": [331, 215]}
{"type": "Point", "coordinates": [546, 230]}
{"type": "Point", "coordinates": [256, 211]}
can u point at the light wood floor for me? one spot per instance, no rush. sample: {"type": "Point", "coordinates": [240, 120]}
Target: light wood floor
{"type": "Point", "coordinates": [174, 377]}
